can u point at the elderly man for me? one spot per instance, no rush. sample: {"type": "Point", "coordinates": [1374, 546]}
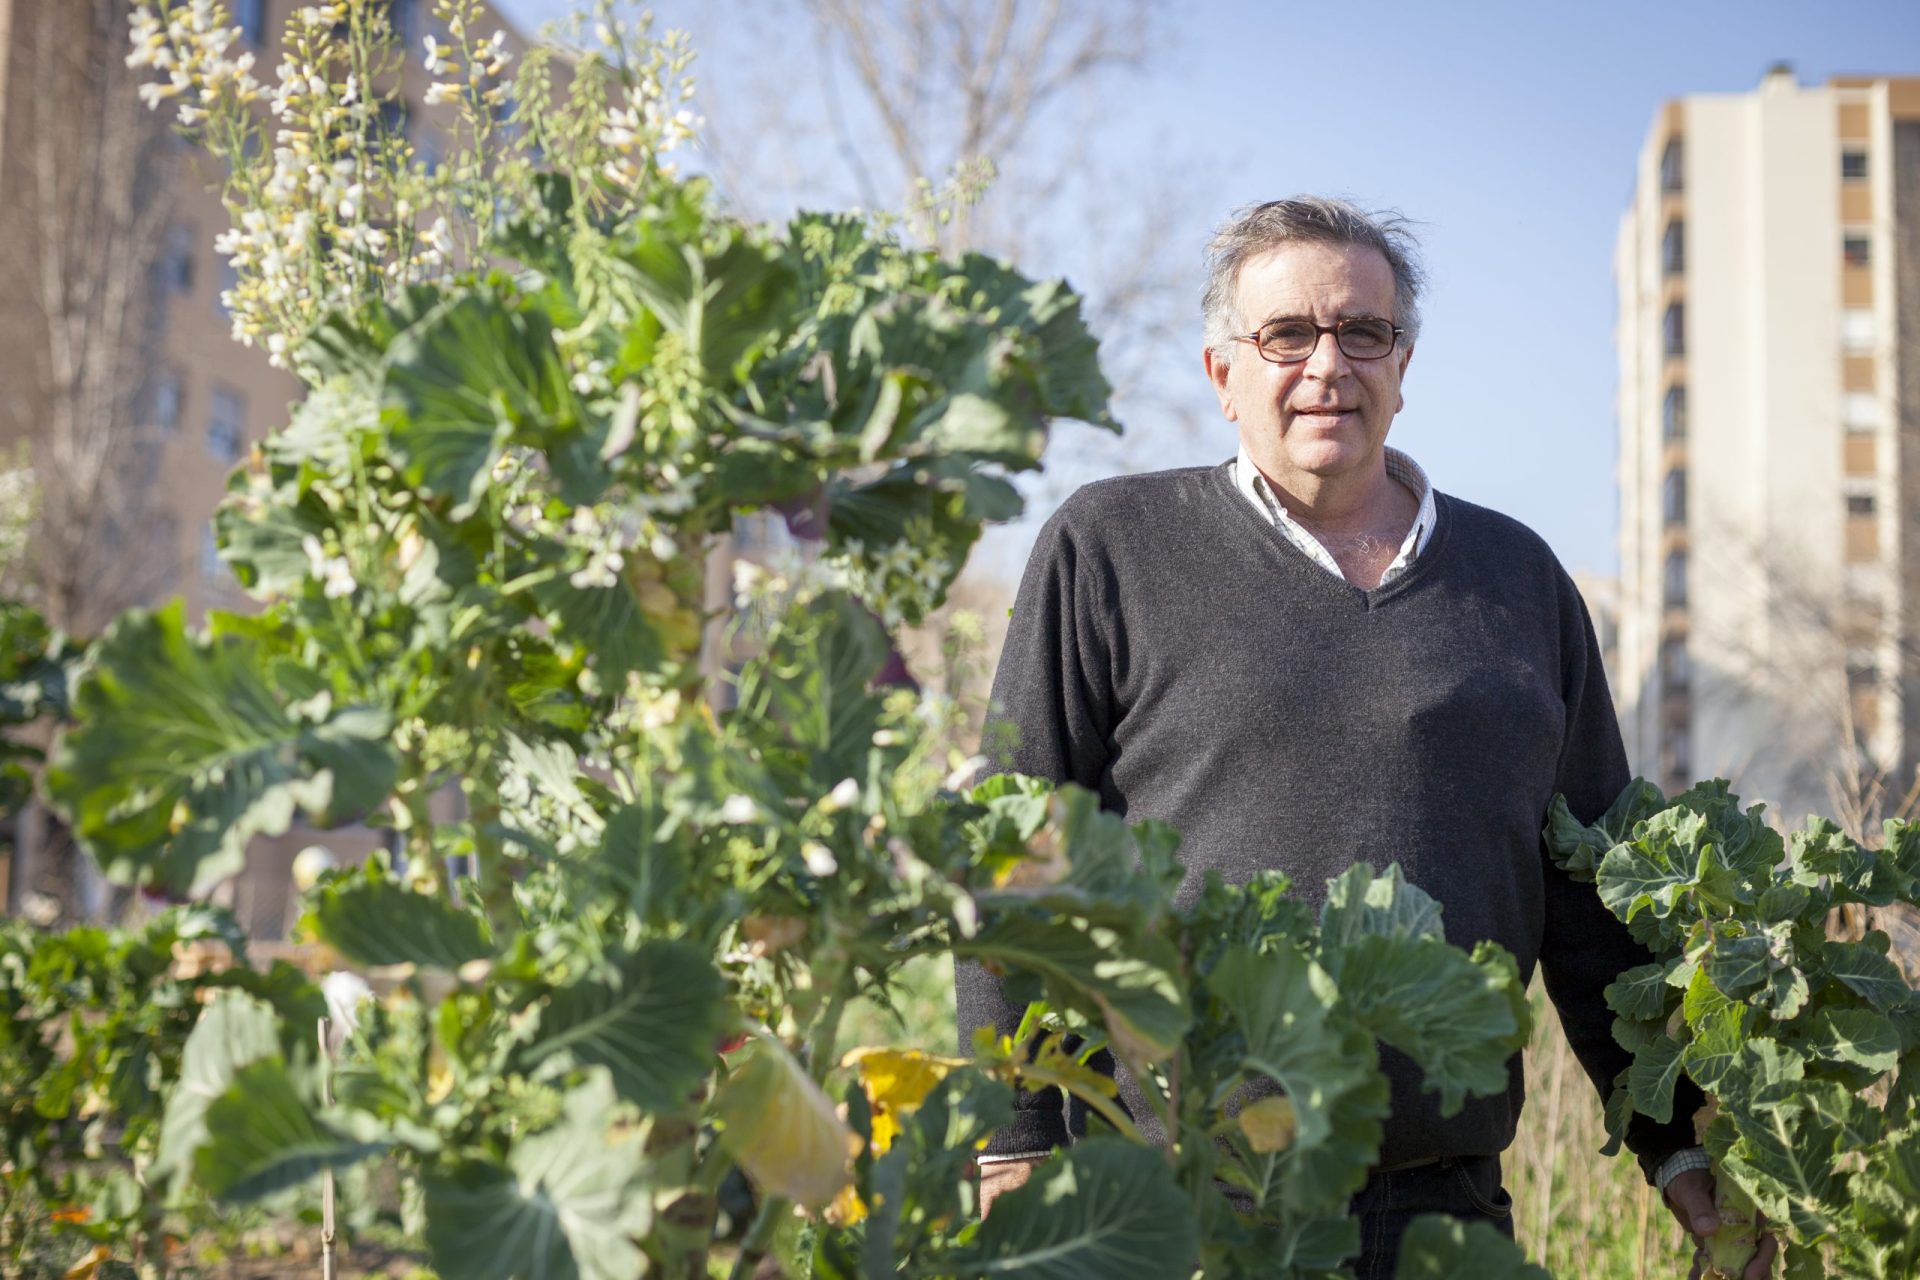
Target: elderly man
{"type": "Point", "coordinates": [1306, 657]}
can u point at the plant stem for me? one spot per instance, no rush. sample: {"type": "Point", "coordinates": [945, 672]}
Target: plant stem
{"type": "Point", "coordinates": [759, 1237]}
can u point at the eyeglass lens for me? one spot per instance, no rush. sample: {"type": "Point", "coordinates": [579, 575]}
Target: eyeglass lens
{"type": "Point", "coordinates": [1360, 338]}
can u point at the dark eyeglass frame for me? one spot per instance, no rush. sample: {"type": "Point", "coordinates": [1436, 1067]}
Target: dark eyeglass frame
{"type": "Point", "coordinates": [1338, 329]}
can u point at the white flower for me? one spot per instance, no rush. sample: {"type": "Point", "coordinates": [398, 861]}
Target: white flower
{"type": "Point", "coordinates": [739, 809]}
{"type": "Point", "coordinates": [819, 859]}
{"type": "Point", "coordinates": [442, 92]}
{"type": "Point", "coordinates": [344, 993]}
{"type": "Point", "coordinates": [844, 793]}
{"type": "Point", "coordinates": [333, 571]}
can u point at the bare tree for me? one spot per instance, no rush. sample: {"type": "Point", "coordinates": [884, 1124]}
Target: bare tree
{"type": "Point", "coordinates": [83, 206]}
{"type": "Point", "coordinates": [87, 211]}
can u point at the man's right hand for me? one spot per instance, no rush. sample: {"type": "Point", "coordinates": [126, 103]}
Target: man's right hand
{"type": "Point", "coordinates": [1000, 1177]}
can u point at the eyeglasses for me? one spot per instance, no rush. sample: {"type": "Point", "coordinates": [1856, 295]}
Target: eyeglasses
{"type": "Point", "coordinates": [1291, 339]}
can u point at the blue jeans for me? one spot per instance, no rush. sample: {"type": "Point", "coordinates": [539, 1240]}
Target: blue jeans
{"type": "Point", "coordinates": [1464, 1186]}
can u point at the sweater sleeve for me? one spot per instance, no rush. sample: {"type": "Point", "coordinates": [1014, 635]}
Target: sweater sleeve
{"type": "Point", "coordinates": [1049, 718]}
{"type": "Point", "coordinates": [1585, 947]}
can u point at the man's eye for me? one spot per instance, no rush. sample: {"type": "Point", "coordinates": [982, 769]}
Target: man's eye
{"type": "Point", "coordinates": [1287, 337]}
{"type": "Point", "coordinates": [1369, 332]}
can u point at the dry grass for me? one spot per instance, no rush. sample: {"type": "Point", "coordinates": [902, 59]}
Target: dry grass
{"type": "Point", "coordinates": [1577, 1213]}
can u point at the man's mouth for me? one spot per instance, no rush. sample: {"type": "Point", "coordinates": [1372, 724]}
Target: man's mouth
{"type": "Point", "coordinates": [1324, 410]}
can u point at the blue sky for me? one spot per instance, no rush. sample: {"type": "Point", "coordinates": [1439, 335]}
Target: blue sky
{"type": "Point", "coordinates": [1509, 130]}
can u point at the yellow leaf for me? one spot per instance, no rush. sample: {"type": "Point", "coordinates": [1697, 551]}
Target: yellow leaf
{"type": "Point", "coordinates": [847, 1207]}
{"type": "Point", "coordinates": [782, 1127]}
{"type": "Point", "coordinates": [897, 1081]}
{"type": "Point", "coordinates": [88, 1264]}
{"type": "Point", "coordinates": [1269, 1124]}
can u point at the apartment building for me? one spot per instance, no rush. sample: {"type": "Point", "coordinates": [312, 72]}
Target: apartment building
{"type": "Point", "coordinates": [1768, 275]}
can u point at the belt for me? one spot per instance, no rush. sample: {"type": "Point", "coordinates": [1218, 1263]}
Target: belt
{"type": "Point", "coordinates": [1421, 1163]}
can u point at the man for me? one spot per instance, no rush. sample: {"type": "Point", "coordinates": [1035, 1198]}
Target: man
{"type": "Point", "coordinates": [1306, 657]}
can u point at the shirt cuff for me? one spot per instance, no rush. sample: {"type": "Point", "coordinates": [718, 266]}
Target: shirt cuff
{"type": "Point", "coordinates": [1678, 1163]}
{"type": "Point", "coordinates": [1005, 1158]}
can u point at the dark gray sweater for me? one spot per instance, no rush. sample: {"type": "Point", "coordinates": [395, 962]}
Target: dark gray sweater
{"type": "Point", "coordinates": [1171, 650]}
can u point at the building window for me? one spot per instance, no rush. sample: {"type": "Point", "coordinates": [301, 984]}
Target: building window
{"type": "Point", "coordinates": [176, 264]}
{"type": "Point", "coordinates": [1673, 249]}
{"type": "Point", "coordinates": [166, 402]}
{"type": "Point", "coordinates": [1860, 411]}
{"type": "Point", "coordinates": [1859, 504]}
{"type": "Point", "coordinates": [1853, 165]}
{"type": "Point", "coordinates": [1675, 758]}
{"type": "Point", "coordinates": [1670, 166]}
{"type": "Point", "coordinates": [1673, 330]}
{"type": "Point", "coordinates": [1857, 329]}
{"type": "Point", "coordinates": [226, 425]}
{"type": "Point", "coordinates": [251, 17]}
{"type": "Point", "coordinates": [212, 568]}
{"type": "Point", "coordinates": [1856, 249]}
{"type": "Point", "coordinates": [1673, 414]}
{"type": "Point", "coordinates": [1673, 663]}
{"type": "Point", "coordinates": [403, 16]}
{"type": "Point", "coordinates": [1674, 581]}
{"type": "Point", "coordinates": [1674, 497]}
{"type": "Point", "coordinates": [393, 120]}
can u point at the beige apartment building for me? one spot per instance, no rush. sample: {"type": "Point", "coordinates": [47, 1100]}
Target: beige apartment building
{"type": "Point", "coordinates": [1768, 275]}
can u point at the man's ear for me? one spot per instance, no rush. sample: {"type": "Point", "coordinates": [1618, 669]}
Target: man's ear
{"type": "Point", "coordinates": [1400, 397]}
{"type": "Point", "coordinates": [1218, 367]}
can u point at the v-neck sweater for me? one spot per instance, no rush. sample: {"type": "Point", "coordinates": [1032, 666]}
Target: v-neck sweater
{"type": "Point", "coordinates": [1174, 652]}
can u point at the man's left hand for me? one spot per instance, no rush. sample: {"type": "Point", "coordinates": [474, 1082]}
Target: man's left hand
{"type": "Point", "coordinates": [1691, 1197]}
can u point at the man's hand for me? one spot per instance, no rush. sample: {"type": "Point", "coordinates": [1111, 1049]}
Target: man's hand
{"type": "Point", "coordinates": [1000, 1177]}
{"type": "Point", "coordinates": [1690, 1196]}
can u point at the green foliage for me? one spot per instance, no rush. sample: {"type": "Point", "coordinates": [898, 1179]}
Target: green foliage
{"type": "Point", "coordinates": [483, 550]}
{"type": "Point", "coordinates": [108, 1066]}
{"type": "Point", "coordinates": [1793, 1035]}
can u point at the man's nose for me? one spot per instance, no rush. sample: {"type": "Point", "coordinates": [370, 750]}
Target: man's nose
{"type": "Point", "coordinates": [1326, 361]}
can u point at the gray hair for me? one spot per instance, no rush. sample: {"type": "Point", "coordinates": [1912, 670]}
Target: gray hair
{"type": "Point", "coordinates": [1258, 228]}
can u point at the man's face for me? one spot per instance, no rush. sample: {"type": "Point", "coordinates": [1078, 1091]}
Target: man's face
{"type": "Point", "coordinates": [1327, 416]}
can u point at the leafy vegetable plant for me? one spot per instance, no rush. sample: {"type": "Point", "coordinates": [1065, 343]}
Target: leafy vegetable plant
{"type": "Point", "coordinates": [1807, 1048]}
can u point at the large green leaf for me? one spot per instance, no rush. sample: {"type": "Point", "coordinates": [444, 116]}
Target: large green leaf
{"type": "Point", "coordinates": [461, 381]}
{"type": "Point", "coordinates": [184, 752]}
{"type": "Point", "coordinates": [1651, 1078]}
{"type": "Point", "coordinates": [1361, 904]}
{"type": "Point", "coordinates": [234, 1032]}
{"type": "Point", "coordinates": [1428, 1000]}
{"type": "Point", "coordinates": [1129, 981]}
{"type": "Point", "coordinates": [1066, 365]}
{"type": "Point", "coordinates": [653, 1022]}
{"type": "Point", "coordinates": [567, 1205]}
{"type": "Point", "coordinates": [1868, 973]}
{"type": "Point", "coordinates": [1436, 1247]}
{"type": "Point", "coordinates": [1858, 1036]}
{"type": "Point", "coordinates": [374, 920]}
{"type": "Point", "coordinates": [1282, 1002]}
{"type": "Point", "coordinates": [1578, 848]}
{"type": "Point", "coordinates": [1738, 965]}
{"type": "Point", "coordinates": [1640, 992]}
{"type": "Point", "coordinates": [1652, 872]}
{"type": "Point", "coordinates": [607, 621]}
{"type": "Point", "coordinates": [723, 299]}
{"type": "Point", "coordinates": [262, 1137]}
{"type": "Point", "coordinates": [1104, 1209]}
